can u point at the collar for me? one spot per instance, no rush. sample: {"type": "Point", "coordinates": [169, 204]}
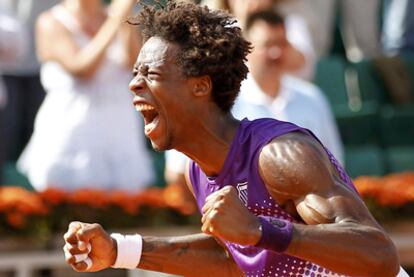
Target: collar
{"type": "Point", "coordinates": [252, 93]}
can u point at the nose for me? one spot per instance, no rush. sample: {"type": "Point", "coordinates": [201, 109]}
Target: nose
{"type": "Point", "coordinates": [274, 52]}
{"type": "Point", "coordinates": [137, 84]}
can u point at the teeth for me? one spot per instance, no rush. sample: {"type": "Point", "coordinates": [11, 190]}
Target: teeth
{"type": "Point", "coordinates": [144, 107]}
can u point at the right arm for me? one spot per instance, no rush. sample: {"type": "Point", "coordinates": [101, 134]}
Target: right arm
{"type": "Point", "coordinates": [191, 255]}
{"type": "Point", "coordinates": [54, 42]}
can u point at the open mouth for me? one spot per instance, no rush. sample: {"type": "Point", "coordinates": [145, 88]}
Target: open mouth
{"type": "Point", "coordinates": [150, 114]}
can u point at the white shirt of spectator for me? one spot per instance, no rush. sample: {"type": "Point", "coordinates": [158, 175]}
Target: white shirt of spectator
{"type": "Point", "coordinates": [298, 102]}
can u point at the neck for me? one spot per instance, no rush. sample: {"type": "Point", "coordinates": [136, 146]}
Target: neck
{"type": "Point", "coordinates": [269, 82]}
{"type": "Point", "coordinates": [209, 141]}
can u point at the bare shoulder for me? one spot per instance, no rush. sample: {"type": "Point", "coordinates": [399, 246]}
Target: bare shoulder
{"type": "Point", "coordinates": [47, 23]}
{"type": "Point", "coordinates": [294, 165]}
{"type": "Point", "coordinates": [49, 29]}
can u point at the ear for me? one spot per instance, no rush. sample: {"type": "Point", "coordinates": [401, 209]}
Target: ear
{"type": "Point", "coordinates": [202, 86]}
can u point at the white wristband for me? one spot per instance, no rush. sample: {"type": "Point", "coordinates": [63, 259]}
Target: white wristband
{"type": "Point", "coordinates": [129, 250]}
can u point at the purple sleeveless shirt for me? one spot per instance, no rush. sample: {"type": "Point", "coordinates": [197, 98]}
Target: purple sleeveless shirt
{"type": "Point", "coordinates": [241, 171]}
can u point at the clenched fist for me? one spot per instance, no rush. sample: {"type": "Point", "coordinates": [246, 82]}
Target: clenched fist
{"type": "Point", "coordinates": [226, 217]}
{"type": "Point", "coordinates": [102, 248]}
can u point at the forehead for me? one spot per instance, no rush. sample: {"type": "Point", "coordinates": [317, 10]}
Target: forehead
{"type": "Point", "coordinates": [157, 52]}
{"type": "Point", "coordinates": [264, 31]}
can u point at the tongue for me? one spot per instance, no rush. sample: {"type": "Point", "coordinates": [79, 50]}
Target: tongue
{"type": "Point", "coordinates": [151, 125]}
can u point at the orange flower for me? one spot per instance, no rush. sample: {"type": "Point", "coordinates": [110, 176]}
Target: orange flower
{"type": "Point", "coordinates": [92, 197]}
{"type": "Point", "coordinates": [392, 190]}
{"type": "Point", "coordinates": [152, 197]}
{"type": "Point", "coordinates": [53, 196]}
{"type": "Point", "coordinates": [124, 200]}
{"type": "Point", "coordinates": [16, 220]}
{"type": "Point", "coordinates": [21, 200]}
{"type": "Point", "coordinates": [368, 186]}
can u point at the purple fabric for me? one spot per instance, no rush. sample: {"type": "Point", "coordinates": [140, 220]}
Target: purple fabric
{"type": "Point", "coordinates": [276, 234]}
{"type": "Point", "coordinates": [240, 170]}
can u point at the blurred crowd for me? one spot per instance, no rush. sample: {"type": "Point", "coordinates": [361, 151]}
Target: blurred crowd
{"type": "Point", "coordinates": [66, 115]}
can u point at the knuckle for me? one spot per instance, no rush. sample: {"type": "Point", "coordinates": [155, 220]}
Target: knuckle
{"type": "Point", "coordinates": [88, 230]}
{"type": "Point", "coordinates": [228, 189]}
{"type": "Point", "coordinates": [212, 196]}
{"type": "Point", "coordinates": [74, 224]}
{"type": "Point", "coordinates": [204, 221]}
{"type": "Point", "coordinates": [69, 259]}
{"type": "Point", "coordinates": [72, 250]}
{"type": "Point", "coordinates": [225, 189]}
{"type": "Point", "coordinates": [218, 205]}
{"type": "Point", "coordinates": [80, 234]}
{"type": "Point", "coordinates": [66, 236]}
{"type": "Point", "coordinates": [96, 226]}
{"type": "Point", "coordinates": [212, 214]}
{"type": "Point", "coordinates": [79, 267]}
{"type": "Point", "coordinates": [204, 229]}
{"type": "Point", "coordinates": [212, 218]}
{"type": "Point", "coordinates": [67, 247]}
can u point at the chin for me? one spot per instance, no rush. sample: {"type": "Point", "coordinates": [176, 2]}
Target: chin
{"type": "Point", "coordinates": [157, 147]}
{"type": "Point", "coordinates": [161, 146]}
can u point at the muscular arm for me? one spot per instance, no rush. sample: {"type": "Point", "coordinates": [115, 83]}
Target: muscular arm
{"type": "Point", "coordinates": [192, 255]}
{"type": "Point", "coordinates": [339, 234]}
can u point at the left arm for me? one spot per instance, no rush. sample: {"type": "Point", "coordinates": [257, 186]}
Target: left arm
{"type": "Point", "coordinates": [296, 168]}
{"type": "Point", "coordinates": [340, 233]}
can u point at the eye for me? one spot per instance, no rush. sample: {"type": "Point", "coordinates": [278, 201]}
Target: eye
{"type": "Point", "coordinates": [153, 75]}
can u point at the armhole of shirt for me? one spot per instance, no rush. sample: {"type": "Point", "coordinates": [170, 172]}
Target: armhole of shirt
{"type": "Point", "coordinates": [188, 176]}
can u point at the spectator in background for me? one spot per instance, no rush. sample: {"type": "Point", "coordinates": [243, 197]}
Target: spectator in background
{"type": "Point", "coordinates": [21, 78]}
{"type": "Point", "coordinates": [398, 28]}
{"type": "Point", "coordinates": [296, 29]}
{"type": "Point", "coordinates": [12, 49]}
{"type": "Point", "coordinates": [268, 91]}
{"type": "Point", "coordinates": [359, 25]}
{"type": "Point", "coordinates": [87, 133]}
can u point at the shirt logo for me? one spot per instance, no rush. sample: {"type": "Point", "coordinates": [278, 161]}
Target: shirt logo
{"type": "Point", "coordinates": [242, 189]}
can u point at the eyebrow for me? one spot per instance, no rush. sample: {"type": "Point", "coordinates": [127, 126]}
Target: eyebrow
{"type": "Point", "coordinates": [157, 63]}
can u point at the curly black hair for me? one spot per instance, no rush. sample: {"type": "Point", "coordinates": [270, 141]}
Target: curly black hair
{"type": "Point", "coordinates": [210, 44]}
